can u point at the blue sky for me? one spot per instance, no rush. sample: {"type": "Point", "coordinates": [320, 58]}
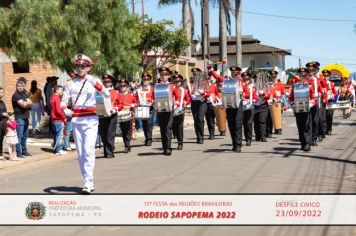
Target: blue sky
{"type": "Point", "coordinates": [329, 42]}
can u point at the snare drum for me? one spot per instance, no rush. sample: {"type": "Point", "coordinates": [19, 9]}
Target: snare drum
{"type": "Point", "coordinates": [231, 94]}
{"type": "Point", "coordinates": [123, 116]}
{"type": "Point", "coordinates": [301, 98]}
{"type": "Point", "coordinates": [163, 98]}
{"type": "Point", "coordinates": [142, 113]}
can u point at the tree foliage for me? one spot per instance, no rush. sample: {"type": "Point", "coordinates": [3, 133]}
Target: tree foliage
{"type": "Point", "coordinates": [161, 40]}
{"type": "Point", "coordinates": [56, 30]}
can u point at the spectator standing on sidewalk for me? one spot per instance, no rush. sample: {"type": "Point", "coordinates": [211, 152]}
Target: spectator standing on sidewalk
{"type": "Point", "coordinates": [58, 119]}
{"type": "Point", "coordinates": [11, 137]}
{"type": "Point", "coordinates": [37, 106]}
{"type": "Point", "coordinates": [21, 104]}
{"type": "Point", "coordinates": [3, 118]}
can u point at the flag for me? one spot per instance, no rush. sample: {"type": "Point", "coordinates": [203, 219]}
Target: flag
{"type": "Point", "coordinates": [292, 78]}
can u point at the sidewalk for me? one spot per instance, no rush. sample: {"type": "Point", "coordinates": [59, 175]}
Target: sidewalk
{"type": "Point", "coordinates": [40, 147]}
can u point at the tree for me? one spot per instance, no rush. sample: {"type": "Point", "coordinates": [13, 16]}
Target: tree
{"type": "Point", "coordinates": [56, 30]}
{"type": "Point", "coordinates": [161, 40]}
{"type": "Point", "coordinates": [187, 18]}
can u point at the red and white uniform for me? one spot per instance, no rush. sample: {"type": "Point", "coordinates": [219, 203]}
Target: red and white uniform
{"type": "Point", "coordinates": [181, 97]}
{"type": "Point", "coordinates": [145, 95]}
{"type": "Point", "coordinates": [214, 93]}
{"type": "Point", "coordinates": [125, 101]}
{"type": "Point", "coordinates": [317, 88]}
{"type": "Point", "coordinates": [84, 120]}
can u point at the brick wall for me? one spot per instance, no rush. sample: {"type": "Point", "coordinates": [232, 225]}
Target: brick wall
{"type": "Point", "coordinates": [8, 79]}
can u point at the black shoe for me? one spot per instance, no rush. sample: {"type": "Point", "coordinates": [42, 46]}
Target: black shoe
{"type": "Point", "coordinates": [87, 190]}
{"type": "Point", "coordinates": [26, 154]}
{"type": "Point", "coordinates": [313, 143]}
{"type": "Point", "coordinates": [127, 149]}
{"type": "Point", "coordinates": [269, 135]}
{"type": "Point", "coordinates": [278, 131]}
{"type": "Point", "coordinates": [167, 152]}
{"type": "Point", "coordinates": [263, 140]}
{"type": "Point", "coordinates": [248, 143]}
{"type": "Point", "coordinates": [236, 149]}
{"type": "Point", "coordinates": [110, 156]}
{"type": "Point", "coordinates": [211, 137]}
{"type": "Point", "coordinates": [222, 133]}
{"type": "Point", "coordinates": [302, 148]}
{"type": "Point", "coordinates": [328, 133]}
{"type": "Point", "coordinates": [258, 139]}
{"type": "Point", "coordinates": [320, 139]}
{"type": "Point", "coordinates": [180, 147]}
{"type": "Point", "coordinates": [323, 136]}
{"type": "Point", "coordinates": [148, 143]}
{"type": "Point", "coordinates": [307, 148]}
{"type": "Point", "coordinates": [200, 141]}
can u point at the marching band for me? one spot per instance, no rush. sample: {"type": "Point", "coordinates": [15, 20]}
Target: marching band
{"type": "Point", "coordinates": [242, 101]}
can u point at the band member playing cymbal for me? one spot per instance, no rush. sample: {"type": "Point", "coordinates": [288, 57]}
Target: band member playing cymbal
{"type": "Point", "coordinates": [144, 96]}
{"type": "Point", "coordinates": [81, 91]}
{"type": "Point", "coordinates": [107, 124]}
{"type": "Point", "coordinates": [199, 96]}
{"type": "Point", "coordinates": [210, 114]}
{"type": "Point", "coordinates": [182, 99]}
{"type": "Point", "coordinates": [126, 101]}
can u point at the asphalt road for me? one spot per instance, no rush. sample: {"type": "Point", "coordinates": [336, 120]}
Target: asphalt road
{"type": "Point", "coordinates": [277, 166]}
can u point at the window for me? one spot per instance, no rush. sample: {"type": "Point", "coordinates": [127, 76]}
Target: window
{"type": "Point", "coordinates": [252, 63]}
{"type": "Point", "coordinates": [22, 67]}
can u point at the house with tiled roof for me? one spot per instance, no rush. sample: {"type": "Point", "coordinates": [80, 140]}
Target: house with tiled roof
{"type": "Point", "coordinates": [254, 53]}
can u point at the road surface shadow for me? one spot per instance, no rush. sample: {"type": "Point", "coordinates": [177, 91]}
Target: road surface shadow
{"type": "Point", "coordinates": [62, 189]}
{"type": "Point", "coordinates": [50, 150]}
{"type": "Point", "coordinates": [217, 150]}
{"type": "Point", "coordinates": [293, 144]}
{"type": "Point", "coordinates": [147, 154]}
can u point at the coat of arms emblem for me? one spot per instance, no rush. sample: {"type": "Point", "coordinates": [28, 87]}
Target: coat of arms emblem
{"type": "Point", "coordinates": [35, 211]}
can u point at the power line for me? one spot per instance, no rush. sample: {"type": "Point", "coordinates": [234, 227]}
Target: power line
{"type": "Point", "coordinates": [323, 58]}
{"type": "Point", "coordinates": [299, 18]}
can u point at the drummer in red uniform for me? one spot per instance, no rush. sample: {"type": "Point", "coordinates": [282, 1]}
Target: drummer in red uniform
{"type": "Point", "coordinates": [234, 115]}
{"type": "Point", "coordinates": [279, 88]}
{"type": "Point", "coordinates": [304, 119]}
{"type": "Point", "coordinates": [144, 96]}
{"type": "Point", "coordinates": [331, 93]}
{"type": "Point", "coordinates": [165, 119]}
{"type": "Point", "coordinates": [181, 100]}
{"type": "Point", "coordinates": [125, 102]}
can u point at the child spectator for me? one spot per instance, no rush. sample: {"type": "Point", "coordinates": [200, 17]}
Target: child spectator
{"type": "Point", "coordinates": [58, 119]}
{"type": "Point", "coordinates": [11, 137]}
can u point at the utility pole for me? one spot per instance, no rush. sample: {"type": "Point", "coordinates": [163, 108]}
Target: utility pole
{"type": "Point", "coordinates": [300, 62]}
{"type": "Point", "coordinates": [205, 29]}
{"type": "Point", "coordinates": [238, 14]}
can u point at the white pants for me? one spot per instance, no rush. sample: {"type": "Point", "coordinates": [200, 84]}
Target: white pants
{"type": "Point", "coordinates": [85, 131]}
{"type": "Point", "coordinates": [36, 115]}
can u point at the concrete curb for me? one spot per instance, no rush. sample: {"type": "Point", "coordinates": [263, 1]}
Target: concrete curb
{"type": "Point", "coordinates": [40, 155]}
